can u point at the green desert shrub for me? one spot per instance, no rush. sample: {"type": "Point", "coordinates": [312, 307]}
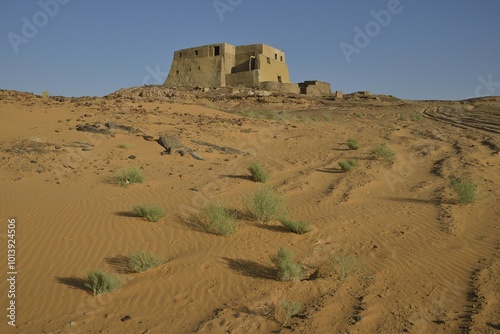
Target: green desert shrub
{"type": "Point", "coordinates": [296, 226]}
{"type": "Point", "coordinates": [140, 261]}
{"type": "Point", "coordinates": [352, 144]}
{"type": "Point", "coordinates": [348, 165]}
{"type": "Point", "coordinates": [45, 94]}
{"type": "Point", "coordinates": [287, 268]}
{"type": "Point", "coordinates": [289, 309]}
{"type": "Point", "coordinates": [217, 219]}
{"type": "Point", "coordinates": [383, 151]}
{"type": "Point", "coordinates": [153, 213]}
{"type": "Point", "coordinates": [259, 174]}
{"type": "Point", "coordinates": [129, 176]}
{"type": "Point", "coordinates": [100, 282]}
{"type": "Point", "coordinates": [345, 265]}
{"type": "Point", "coordinates": [266, 205]}
{"type": "Point", "coordinates": [465, 189]}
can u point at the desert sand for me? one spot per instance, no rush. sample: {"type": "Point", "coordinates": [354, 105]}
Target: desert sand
{"type": "Point", "coordinates": [428, 264]}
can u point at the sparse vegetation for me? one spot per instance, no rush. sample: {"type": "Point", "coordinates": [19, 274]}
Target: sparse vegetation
{"type": "Point", "coordinates": [383, 151]}
{"type": "Point", "coordinates": [296, 226]}
{"type": "Point", "coordinates": [465, 189]}
{"type": "Point", "coordinates": [289, 309]}
{"type": "Point", "coordinates": [45, 94]}
{"type": "Point", "coordinates": [352, 144]}
{"type": "Point", "coordinates": [153, 213]}
{"type": "Point", "coordinates": [129, 176]}
{"type": "Point", "coordinates": [259, 174]}
{"type": "Point", "coordinates": [140, 261]}
{"type": "Point", "coordinates": [266, 205]}
{"type": "Point", "coordinates": [100, 282]}
{"type": "Point", "coordinates": [125, 146]}
{"type": "Point", "coordinates": [217, 219]}
{"type": "Point", "coordinates": [358, 115]}
{"type": "Point", "coordinates": [348, 165]}
{"type": "Point", "coordinates": [345, 265]}
{"type": "Point", "coordinates": [286, 266]}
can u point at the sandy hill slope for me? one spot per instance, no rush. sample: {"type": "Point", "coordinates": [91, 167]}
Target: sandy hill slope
{"type": "Point", "coordinates": [391, 249]}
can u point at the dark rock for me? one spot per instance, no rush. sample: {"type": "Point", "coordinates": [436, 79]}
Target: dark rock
{"type": "Point", "coordinates": [196, 156]}
{"type": "Point", "coordinates": [86, 149]}
{"type": "Point", "coordinates": [130, 129]}
{"type": "Point", "coordinates": [87, 115]}
{"type": "Point", "coordinates": [126, 318]}
{"type": "Point", "coordinates": [132, 157]}
{"type": "Point", "coordinates": [169, 143]}
{"type": "Point", "coordinates": [184, 151]}
{"type": "Point", "coordinates": [222, 149]}
{"type": "Point", "coordinates": [92, 129]}
{"type": "Point", "coordinates": [148, 138]}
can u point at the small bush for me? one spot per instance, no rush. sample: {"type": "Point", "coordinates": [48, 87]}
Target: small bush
{"type": "Point", "coordinates": [101, 282]}
{"type": "Point", "coordinates": [287, 268]}
{"type": "Point", "coordinates": [465, 189]}
{"type": "Point", "coordinates": [218, 220]}
{"type": "Point", "coordinates": [345, 265]}
{"type": "Point", "coordinates": [348, 165]}
{"type": "Point", "coordinates": [153, 213]}
{"type": "Point", "coordinates": [296, 226]}
{"type": "Point", "coordinates": [125, 146]}
{"type": "Point", "coordinates": [129, 176]}
{"type": "Point", "coordinates": [45, 94]}
{"type": "Point", "coordinates": [259, 174]}
{"type": "Point", "coordinates": [140, 261]}
{"type": "Point", "coordinates": [383, 151]}
{"type": "Point", "coordinates": [266, 205]}
{"type": "Point", "coordinates": [352, 144]}
{"type": "Point", "coordinates": [289, 309]}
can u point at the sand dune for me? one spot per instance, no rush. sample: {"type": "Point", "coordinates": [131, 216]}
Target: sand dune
{"type": "Point", "coordinates": [428, 264]}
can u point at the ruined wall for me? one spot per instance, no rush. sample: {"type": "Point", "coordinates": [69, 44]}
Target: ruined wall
{"type": "Point", "coordinates": [280, 87]}
{"type": "Point", "coordinates": [315, 88]}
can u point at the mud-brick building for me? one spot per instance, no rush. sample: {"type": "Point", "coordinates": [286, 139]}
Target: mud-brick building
{"type": "Point", "coordinates": [219, 65]}
{"type": "Point", "coordinates": [252, 66]}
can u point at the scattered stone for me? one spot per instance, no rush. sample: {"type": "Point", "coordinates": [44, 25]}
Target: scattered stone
{"type": "Point", "coordinates": [87, 115]}
{"type": "Point", "coordinates": [33, 161]}
{"type": "Point", "coordinates": [40, 171]}
{"type": "Point", "coordinates": [148, 138]}
{"type": "Point", "coordinates": [92, 129]}
{"type": "Point", "coordinates": [86, 149]}
{"type": "Point", "coordinates": [263, 93]}
{"type": "Point", "coordinates": [196, 156]}
{"type": "Point", "coordinates": [18, 178]}
{"type": "Point", "coordinates": [169, 143]}
{"type": "Point", "coordinates": [126, 318]}
{"type": "Point", "coordinates": [132, 157]}
{"type": "Point", "coordinates": [222, 149]}
{"type": "Point", "coordinates": [184, 151]}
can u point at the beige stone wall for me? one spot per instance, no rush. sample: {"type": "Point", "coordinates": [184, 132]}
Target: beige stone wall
{"type": "Point", "coordinates": [243, 79]}
{"type": "Point", "coordinates": [272, 70]}
{"type": "Point", "coordinates": [280, 87]}
{"type": "Point", "coordinates": [206, 72]}
{"type": "Point", "coordinates": [315, 88]}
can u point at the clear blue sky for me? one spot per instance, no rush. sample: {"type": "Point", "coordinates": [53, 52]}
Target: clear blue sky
{"type": "Point", "coordinates": [426, 50]}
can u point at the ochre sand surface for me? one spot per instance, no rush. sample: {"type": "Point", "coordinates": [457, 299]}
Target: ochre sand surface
{"type": "Point", "coordinates": [429, 264]}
